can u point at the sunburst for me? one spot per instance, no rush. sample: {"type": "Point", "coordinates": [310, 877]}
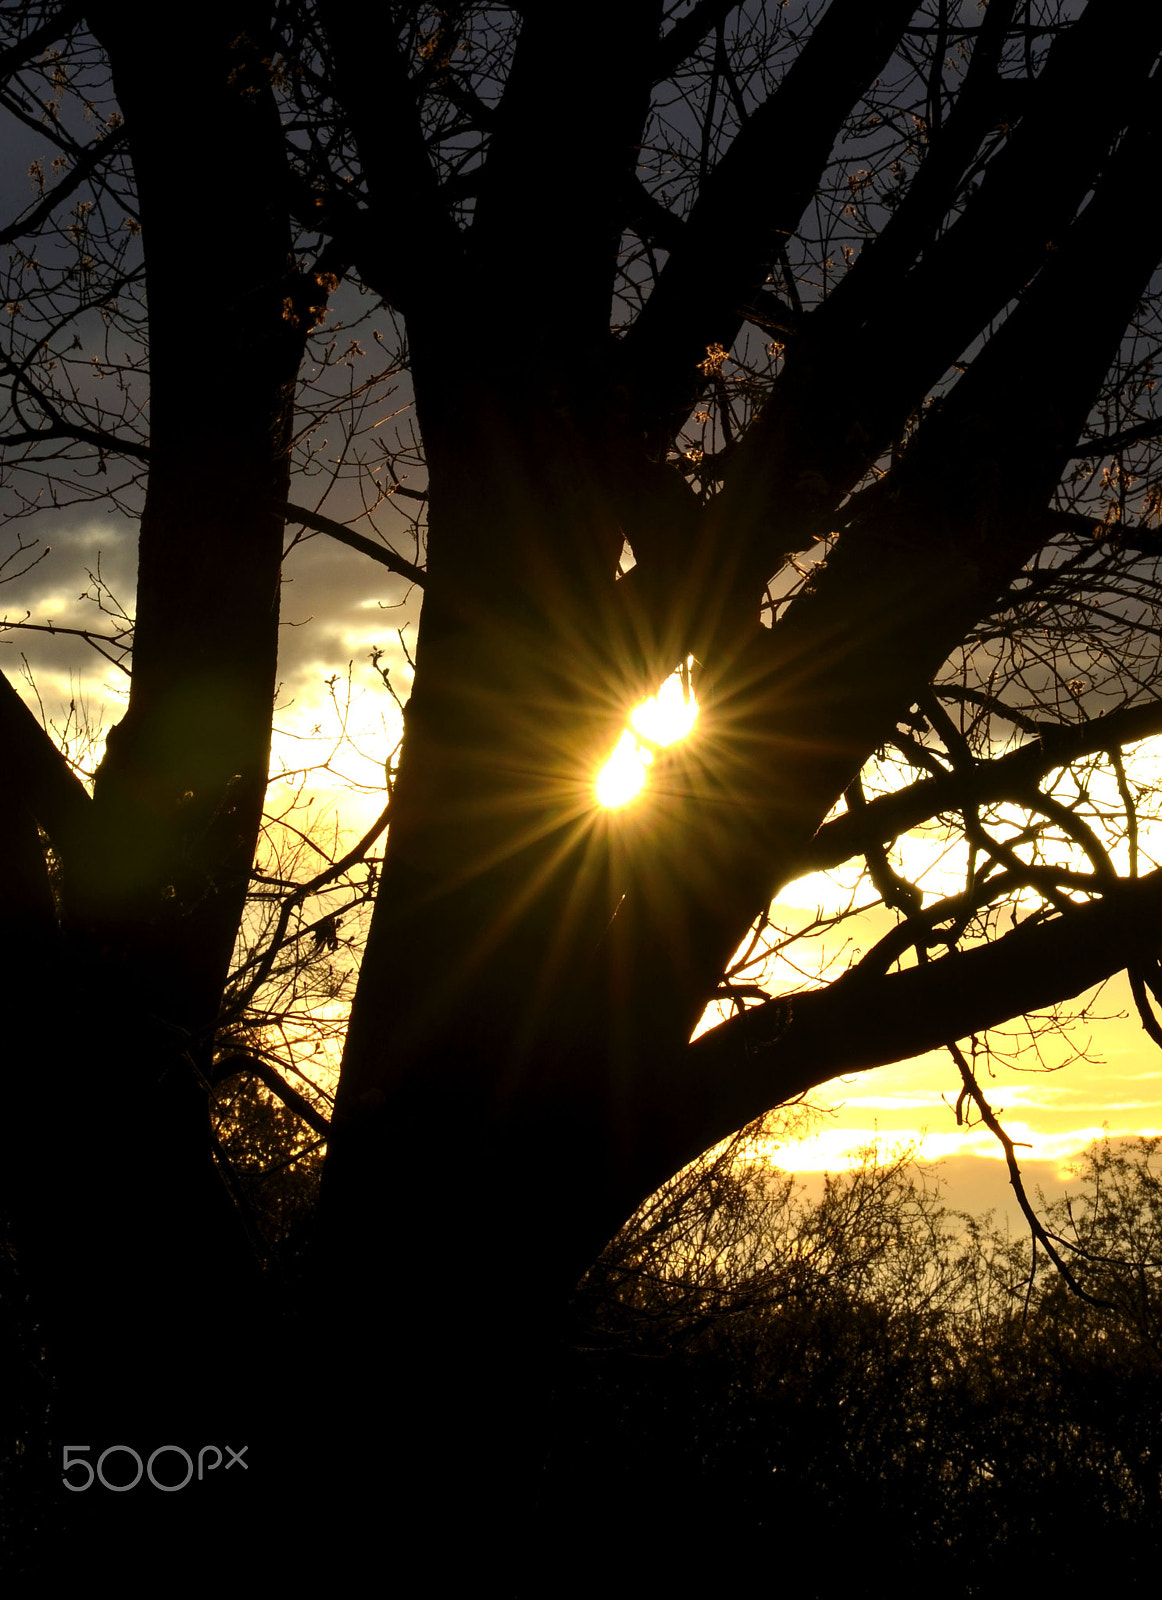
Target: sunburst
{"type": "Point", "coordinates": [659, 721]}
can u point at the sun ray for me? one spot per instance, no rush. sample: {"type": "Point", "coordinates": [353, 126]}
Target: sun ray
{"type": "Point", "coordinates": [661, 720]}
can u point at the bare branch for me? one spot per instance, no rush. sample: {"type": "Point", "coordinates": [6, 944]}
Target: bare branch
{"type": "Point", "coordinates": [79, 172]}
{"type": "Point", "coordinates": [1010, 777]}
{"type": "Point", "coordinates": [58, 26]}
{"type": "Point", "coordinates": [972, 1090]}
{"type": "Point", "coordinates": [277, 1084]}
{"type": "Point", "coordinates": [316, 521]}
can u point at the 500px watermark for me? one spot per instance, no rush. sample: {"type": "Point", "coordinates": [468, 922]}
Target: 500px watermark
{"type": "Point", "coordinates": [156, 1468]}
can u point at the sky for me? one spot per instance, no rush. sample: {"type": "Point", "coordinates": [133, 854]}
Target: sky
{"type": "Point", "coordinates": [338, 607]}
{"type": "Point", "coordinates": [1101, 1077]}
{"type": "Point", "coordinates": [334, 710]}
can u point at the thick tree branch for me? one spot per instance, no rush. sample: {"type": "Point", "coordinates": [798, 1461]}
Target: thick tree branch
{"type": "Point", "coordinates": [730, 240]}
{"type": "Point", "coordinates": [1122, 535]}
{"type": "Point", "coordinates": [179, 792]}
{"type": "Point", "coordinates": [820, 432]}
{"type": "Point", "coordinates": [550, 208]}
{"type": "Point", "coordinates": [1010, 777]}
{"type": "Point", "coordinates": [984, 100]}
{"type": "Point", "coordinates": [799, 708]}
{"type": "Point", "coordinates": [401, 181]}
{"type": "Point", "coordinates": [649, 218]}
{"type": "Point", "coordinates": [687, 34]}
{"type": "Point", "coordinates": [1113, 442]}
{"type": "Point", "coordinates": [273, 1080]}
{"type": "Point", "coordinates": [107, 443]}
{"type": "Point", "coordinates": [903, 583]}
{"type": "Point", "coordinates": [40, 775]}
{"type": "Point", "coordinates": [776, 1051]}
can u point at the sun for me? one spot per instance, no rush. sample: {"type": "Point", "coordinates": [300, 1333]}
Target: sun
{"type": "Point", "coordinates": [662, 720]}
{"type": "Point", "coordinates": [624, 774]}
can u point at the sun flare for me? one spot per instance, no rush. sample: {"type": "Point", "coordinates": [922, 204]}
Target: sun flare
{"type": "Point", "coordinates": [662, 720]}
{"type": "Point", "coordinates": [624, 775]}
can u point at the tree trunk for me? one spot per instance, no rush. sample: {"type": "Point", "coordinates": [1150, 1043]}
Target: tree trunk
{"type": "Point", "coordinates": [145, 1281]}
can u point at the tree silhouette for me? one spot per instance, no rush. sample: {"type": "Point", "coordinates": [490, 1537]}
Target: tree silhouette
{"type": "Point", "coordinates": [839, 323]}
{"type": "Point", "coordinates": [868, 1361]}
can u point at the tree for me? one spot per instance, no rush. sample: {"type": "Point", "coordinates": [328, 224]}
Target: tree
{"type": "Point", "coordinates": [830, 317]}
{"type": "Point", "coordinates": [873, 1362]}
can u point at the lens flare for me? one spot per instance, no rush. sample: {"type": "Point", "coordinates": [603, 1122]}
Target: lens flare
{"type": "Point", "coordinates": [668, 716]}
{"type": "Point", "coordinates": [624, 775]}
{"type": "Point", "coordinates": [662, 720]}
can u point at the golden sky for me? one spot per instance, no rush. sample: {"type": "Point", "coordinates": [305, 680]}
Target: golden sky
{"type": "Point", "coordinates": [347, 722]}
{"type": "Point", "coordinates": [1112, 1085]}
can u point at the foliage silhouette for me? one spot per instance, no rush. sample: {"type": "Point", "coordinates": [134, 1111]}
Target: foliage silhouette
{"type": "Point", "coordinates": [878, 1365]}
